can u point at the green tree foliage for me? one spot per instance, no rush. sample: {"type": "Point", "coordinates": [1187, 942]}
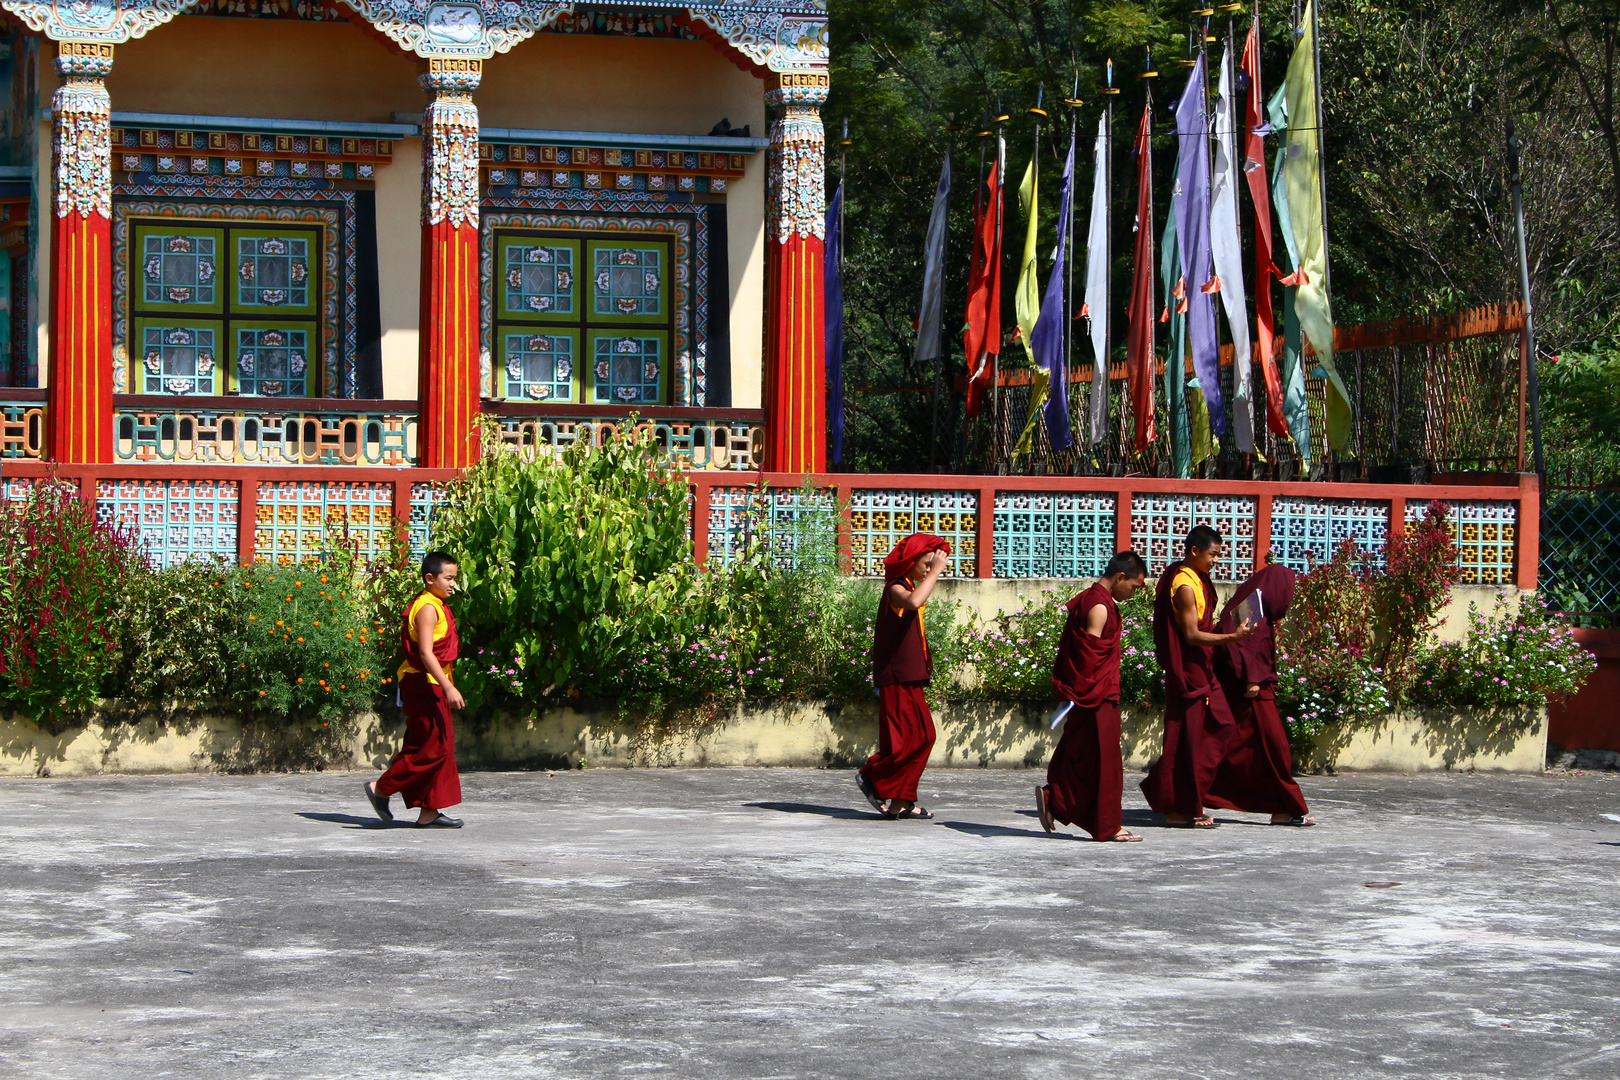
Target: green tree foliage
{"type": "Point", "coordinates": [1417, 97]}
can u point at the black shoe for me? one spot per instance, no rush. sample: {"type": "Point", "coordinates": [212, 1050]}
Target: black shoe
{"type": "Point", "coordinates": [378, 803]}
{"type": "Point", "coordinates": [868, 791]}
{"type": "Point", "coordinates": [443, 821]}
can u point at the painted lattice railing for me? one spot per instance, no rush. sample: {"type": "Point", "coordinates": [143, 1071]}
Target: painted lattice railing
{"type": "Point", "coordinates": [999, 527]}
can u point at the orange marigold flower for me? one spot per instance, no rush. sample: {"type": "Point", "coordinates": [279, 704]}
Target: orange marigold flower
{"type": "Point", "coordinates": [323, 579]}
{"type": "Point", "coordinates": [278, 622]}
{"type": "Point", "coordinates": [261, 693]}
{"type": "Point", "coordinates": [317, 622]}
{"type": "Point", "coordinates": [343, 686]}
{"type": "Point", "coordinates": [300, 641]}
{"type": "Point", "coordinates": [298, 584]}
{"type": "Point", "coordinates": [252, 618]}
{"type": "Point", "coordinates": [323, 682]}
{"type": "Point", "coordinates": [300, 678]}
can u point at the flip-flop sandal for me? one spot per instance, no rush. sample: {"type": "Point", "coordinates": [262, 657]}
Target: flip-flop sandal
{"type": "Point", "coordinates": [1122, 837]}
{"type": "Point", "coordinates": [919, 813]}
{"type": "Point", "coordinates": [1043, 809]}
{"type": "Point", "coordinates": [379, 803]}
{"type": "Point", "coordinates": [1297, 822]}
{"type": "Point", "coordinates": [868, 791]}
{"type": "Point", "coordinates": [1196, 823]}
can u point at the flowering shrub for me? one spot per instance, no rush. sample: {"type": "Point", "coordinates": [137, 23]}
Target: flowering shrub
{"type": "Point", "coordinates": [63, 576]}
{"type": "Point", "coordinates": [1515, 654]}
{"type": "Point", "coordinates": [1012, 657]}
{"type": "Point", "coordinates": [1411, 589]}
{"type": "Point", "coordinates": [1331, 686]}
{"type": "Point", "coordinates": [309, 648]}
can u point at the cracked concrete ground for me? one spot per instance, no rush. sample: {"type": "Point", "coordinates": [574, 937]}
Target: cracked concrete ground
{"type": "Point", "coordinates": [756, 924]}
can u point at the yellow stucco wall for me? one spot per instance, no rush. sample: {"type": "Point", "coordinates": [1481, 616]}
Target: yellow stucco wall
{"type": "Point", "coordinates": [339, 71]}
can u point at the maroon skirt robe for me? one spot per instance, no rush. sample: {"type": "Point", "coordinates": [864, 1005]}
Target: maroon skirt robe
{"type": "Point", "coordinates": [1085, 780]}
{"type": "Point", "coordinates": [424, 771]}
{"type": "Point", "coordinates": [901, 668]}
{"type": "Point", "coordinates": [1256, 775]}
{"type": "Point", "coordinates": [1197, 721]}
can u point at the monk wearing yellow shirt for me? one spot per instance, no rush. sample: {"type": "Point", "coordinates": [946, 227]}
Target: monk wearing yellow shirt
{"type": "Point", "coordinates": [424, 771]}
{"type": "Point", "coordinates": [1197, 720]}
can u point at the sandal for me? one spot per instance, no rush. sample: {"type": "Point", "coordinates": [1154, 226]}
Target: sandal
{"type": "Point", "coordinates": [1297, 822]}
{"type": "Point", "coordinates": [864, 782]}
{"type": "Point", "coordinates": [914, 811]}
{"type": "Point", "coordinates": [1043, 809]}
{"type": "Point", "coordinates": [379, 803]}
{"type": "Point", "coordinates": [1205, 822]}
{"type": "Point", "coordinates": [1122, 837]}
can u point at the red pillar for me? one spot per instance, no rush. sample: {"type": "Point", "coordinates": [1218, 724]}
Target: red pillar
{"type": "Point", "coordinates": [81, 371]}
{"type": "Point", "coordinates": [448, 372]}
{"type": "Point", "coordinates": [795, 327]}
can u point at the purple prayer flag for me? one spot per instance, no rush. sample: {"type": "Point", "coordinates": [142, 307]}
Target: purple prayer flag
{"type": "Point", "coordinates": [1046, 340]}
{"type": "Point", "coordinates": [833, 301]}
{"type": "Point", "coordinates": [1192, 235]}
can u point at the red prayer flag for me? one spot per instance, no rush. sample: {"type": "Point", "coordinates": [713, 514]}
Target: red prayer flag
{"type": "Point", "coordinates": [1139, 358]}
{"type": "Point", "coordinates": [982, 337]}
{"type": "Point", "coordinates": [1254, 167]}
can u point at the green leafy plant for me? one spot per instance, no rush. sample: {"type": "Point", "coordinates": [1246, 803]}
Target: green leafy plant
{"type": "Point", "coordinates": [180, 633]}
{"type": "Point", "coordinates": [571, 566]}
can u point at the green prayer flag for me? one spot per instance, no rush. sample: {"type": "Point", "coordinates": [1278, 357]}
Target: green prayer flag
{"type": "Point", "coordinates": [1302, 177]}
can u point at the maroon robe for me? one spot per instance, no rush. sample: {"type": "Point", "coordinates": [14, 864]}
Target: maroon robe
{"type": "Point", "coordinates": [1086, 778]}
{"type": "Point", "coordinates": [1257, 773]}
{"type": "Point", "coordinates": [424, 771]}
{"type": "Point", "coordinates": [1197, 721]}
{"type": "Point", "coordinates": [901, 667]}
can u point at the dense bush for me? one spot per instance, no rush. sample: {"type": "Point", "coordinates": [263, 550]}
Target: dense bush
{"type": "Point", "coordinates": [63, 577]}
{"type": "Point", "coordinates": [1515, 654]}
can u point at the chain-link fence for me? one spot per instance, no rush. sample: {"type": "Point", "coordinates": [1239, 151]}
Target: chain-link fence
{"type": "Point", "coordinates": [1580, 573]}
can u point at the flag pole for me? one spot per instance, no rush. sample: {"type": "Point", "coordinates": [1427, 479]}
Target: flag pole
{"type": "Point", "coordinates": [1529, 314]}
{"type": "Point", "coordinates": [939, 361]}
{"type": "Point", "coordinates": [1074, 104]}
{"type": "Point", "coordinates": [1000, 208]}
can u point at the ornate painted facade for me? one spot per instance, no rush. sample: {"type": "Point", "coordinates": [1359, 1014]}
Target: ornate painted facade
{"type": "Point", "coordinates": [175, 222]}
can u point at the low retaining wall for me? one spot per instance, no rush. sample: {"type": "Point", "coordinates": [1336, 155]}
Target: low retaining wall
{"type": "Point", "coordinates": [976, 734]}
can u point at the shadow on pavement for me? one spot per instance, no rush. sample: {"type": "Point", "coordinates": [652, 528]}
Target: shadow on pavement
{"type": "Point", "coordinates": [355, 822]}
{"type": "Point", "coordinates": [973, 828]}
{"type": "Point", "coordinates": [812, 808]}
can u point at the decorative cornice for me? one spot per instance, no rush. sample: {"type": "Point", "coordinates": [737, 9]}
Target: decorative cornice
{"type": "Point", "coordinates": [104, 21]}
{"type": "Point", "coordinates": [464, 28]}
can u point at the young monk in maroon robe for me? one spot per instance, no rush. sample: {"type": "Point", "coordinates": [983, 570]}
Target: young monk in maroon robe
{"type": "Point", "coordinates": [1086, 777]}
{"type": "Point", "coordinates": [901, 667]}
{"type": "Point", "coordinates": [424, 770]}
{"type": "Point", "coordinates": [1197, 721]}
{"type": "Point", "coordinates": [1256, 775]}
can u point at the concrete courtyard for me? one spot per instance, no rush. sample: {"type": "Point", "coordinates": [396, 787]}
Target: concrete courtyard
{"type": "Point", "coordinates": [755, 924]}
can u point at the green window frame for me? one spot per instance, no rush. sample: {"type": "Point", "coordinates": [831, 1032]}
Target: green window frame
{"type": "Point", "coordinates": [540, 363]}
{"type": "Point", "coordinates": [539, 279]}
{"type": "Point", "coordinates": [179, 356]}
{"type": "Point", "coordinates": [629, 367]}
{"type": "Point", "coordinates": [257, 290]}
{"type": "Point", "coordinates": [272, 359]}
{"type": "Point", "coordinates": [178, 270]}
{"type": "Point", "coordinates": [611, 309]}
{"type": "Point", "coordinates": [277, 271]}
{"type": "Point", "coordinates": [629, 281]}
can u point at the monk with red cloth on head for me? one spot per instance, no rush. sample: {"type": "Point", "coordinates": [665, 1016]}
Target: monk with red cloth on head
{"type": "Point", "coordinates": [424, 770]}
{"type": "Point", "coordinates": [901, 667]}
{"type": "Point", "coordinates": [1256, 776]}
{"type": "Point", "coordinates": [1086, 777]}
{"type": "Point", "coordinates": [1197, 721]}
